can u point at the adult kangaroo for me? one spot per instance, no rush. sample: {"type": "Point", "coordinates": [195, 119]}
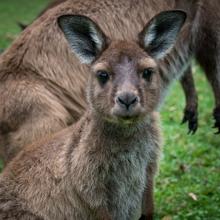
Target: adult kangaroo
{"type": "Point", "coordinates": [205, 44]}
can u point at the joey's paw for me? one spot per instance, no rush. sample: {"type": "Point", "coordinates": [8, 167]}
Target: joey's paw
{"type": "Point", "coordinates": [191, 117]}
{"type": "Point", "coordinates": [216, 115]}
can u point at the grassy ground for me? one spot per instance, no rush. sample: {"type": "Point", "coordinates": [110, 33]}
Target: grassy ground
{"type": "Point", "coordinates": [188, 184]}
{"type": "Point", "coordinates": [12, 11]}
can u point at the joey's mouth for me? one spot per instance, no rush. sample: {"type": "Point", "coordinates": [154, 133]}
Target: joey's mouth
{"type": "Point", "coordinates": [127, 120]}
{"type": "Point", "coordinates": [127, 117]}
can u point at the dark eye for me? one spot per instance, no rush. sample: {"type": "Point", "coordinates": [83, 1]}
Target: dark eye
{"type": "Point", "coordinates": [147, 74]}
{"type": "Point", "coordinates": [103, 76]}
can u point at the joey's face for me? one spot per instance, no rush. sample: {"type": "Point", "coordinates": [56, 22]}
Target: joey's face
{"type": "Point", "coordinates": [125, 84]}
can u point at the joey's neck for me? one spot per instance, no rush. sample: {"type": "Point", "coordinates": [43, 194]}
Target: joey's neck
{"type": "Point", "coordinates": [101, 132]}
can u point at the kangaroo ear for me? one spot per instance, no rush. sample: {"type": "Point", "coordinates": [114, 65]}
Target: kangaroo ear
{"type": "Point", "coordinates": [160, 34]}
{"type": "Point", "coordinates": [85, 37]}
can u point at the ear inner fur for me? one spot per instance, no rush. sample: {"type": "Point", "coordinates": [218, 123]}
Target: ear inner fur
{"type": "Point", "coordinates": [85, 37]}
{"type": "Point", "coordinates": [159, 35]}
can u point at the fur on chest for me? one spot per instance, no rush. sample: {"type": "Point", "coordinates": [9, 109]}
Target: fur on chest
{"type": "Point", "coordinates": [124, 184]}
{"type": "Point", "coordinates": [114, 180]}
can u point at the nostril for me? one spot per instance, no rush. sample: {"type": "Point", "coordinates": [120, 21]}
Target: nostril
{"type": "Point", "coordinates": [134, 100]}
{"type": "Point", "coordinates": [127, 100]}
{"type": "Point", "coordinates": [122, 101]}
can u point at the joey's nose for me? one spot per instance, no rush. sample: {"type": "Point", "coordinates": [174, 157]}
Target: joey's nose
{"type": "Point", "coordinates": [127, 100]}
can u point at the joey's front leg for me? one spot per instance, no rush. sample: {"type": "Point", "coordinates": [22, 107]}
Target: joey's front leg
{"type": "Point", "coordinates": [148, 202]}
{"type": "Point", "coordinates": [148, 196]}
{"type": "Point", "coordinates": [191, 109]}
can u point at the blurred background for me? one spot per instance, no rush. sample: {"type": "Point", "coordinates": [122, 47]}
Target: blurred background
{"type": "Point", "coordinates": [188, 183]}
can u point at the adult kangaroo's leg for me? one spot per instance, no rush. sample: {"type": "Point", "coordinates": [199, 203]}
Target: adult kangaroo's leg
{"type": "Point", "coordinates": [216, 113]}
{"type": "Point", "coordinates": [191, 108]}
{"type": "Point", "coordinates": [212, 71]}
{"type": "Point", "coordinates": [208, 56]}
{"type": "Point", "coordinates": [207, 45]}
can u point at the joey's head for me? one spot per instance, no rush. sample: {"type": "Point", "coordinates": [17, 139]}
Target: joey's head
{"type": "Point", "coordinates": [125, 84]}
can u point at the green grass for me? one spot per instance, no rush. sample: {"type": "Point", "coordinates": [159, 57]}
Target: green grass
{"type": "Point", "coordinates": [13, 11]}
{"type": "Point", "coordinates": [190, 165]}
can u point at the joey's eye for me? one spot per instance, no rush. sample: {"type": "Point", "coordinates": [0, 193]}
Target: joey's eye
{"type": "Point", "coordinates": [103, 76]}
{"type": "Point", "coordinates": [147, 74]}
